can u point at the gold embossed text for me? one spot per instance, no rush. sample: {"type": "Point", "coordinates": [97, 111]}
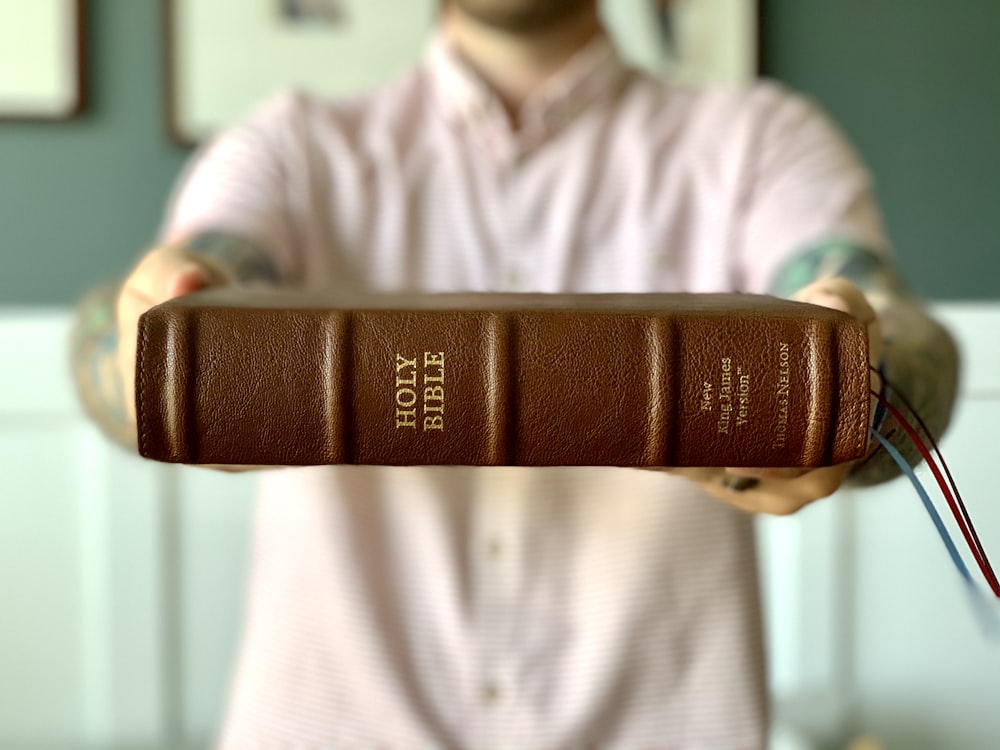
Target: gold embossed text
{"type": "Point", "coordinates": [430, 392]}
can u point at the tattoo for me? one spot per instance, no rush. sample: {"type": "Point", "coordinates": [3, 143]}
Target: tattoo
{"type": "Point", "coordinates": [869, 272]}
{"type": "Point", "coordinates": [236, 258]}
{"type": "Point", "coordinates": [94, 356]}
{"type": "Point", "coordinates": [919, 356]}
{"type": "Point", "coordinates": [921, 363]}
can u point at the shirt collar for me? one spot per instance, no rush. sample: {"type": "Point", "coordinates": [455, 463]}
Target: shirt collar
{"type": "Point", "coordinates": [595, 72]}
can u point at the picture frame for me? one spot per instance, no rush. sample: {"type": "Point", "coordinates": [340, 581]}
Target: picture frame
{"type": "Point", "coordinates": [226, 56]}
{"type": "Point", "coordinates": [42, 59]}
{"type": "Point", "coordinates": [693, 42]}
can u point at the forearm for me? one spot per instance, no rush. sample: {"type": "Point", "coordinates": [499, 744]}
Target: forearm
{"type": "Point", "coordinates": [920, 361]}
{"type": "Point", "coordinates": [94, 358]}
{"type": "Point", "coordinates": [919, 357]}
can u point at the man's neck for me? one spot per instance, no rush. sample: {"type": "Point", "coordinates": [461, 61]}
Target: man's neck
{"type": "Point", "coordinates": [516, 64]}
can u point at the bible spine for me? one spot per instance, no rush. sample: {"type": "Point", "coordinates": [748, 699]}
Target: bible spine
{"type": "Point", "coordinates": [533, 387]}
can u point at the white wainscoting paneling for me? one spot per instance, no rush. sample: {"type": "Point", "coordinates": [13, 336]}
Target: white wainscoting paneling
{"type": "Point", "coordinates": [122, 581]}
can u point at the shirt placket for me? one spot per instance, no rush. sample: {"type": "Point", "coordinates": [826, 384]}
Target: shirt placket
{"type": "Point", "coordinates": [499, 571]}
{"type": "Point", "coordinates": [520, 238]}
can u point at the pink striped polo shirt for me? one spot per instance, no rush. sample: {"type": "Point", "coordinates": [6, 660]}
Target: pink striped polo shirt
{"type": "Point", "coordinates": [457, 607]}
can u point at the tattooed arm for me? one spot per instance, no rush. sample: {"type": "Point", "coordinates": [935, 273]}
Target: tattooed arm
{"type": "Point", "coordinates": [94, 356]}
{"type": "Point", "coordinates": [919, 357]}
{"type": "Point", "coordinates": [103, 340]}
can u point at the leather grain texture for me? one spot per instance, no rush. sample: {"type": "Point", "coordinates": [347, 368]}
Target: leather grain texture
{"type": "Point", "coordinates": [241, 376]}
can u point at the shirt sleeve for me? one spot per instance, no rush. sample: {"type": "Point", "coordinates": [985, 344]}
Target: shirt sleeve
{"type": "Point", "coordinates": [237, 184]}
{"type": "Point", "coordinates": [806, 186]}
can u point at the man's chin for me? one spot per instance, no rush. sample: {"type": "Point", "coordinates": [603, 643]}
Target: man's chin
{"type": "Point", "coordinates": [521, 16]}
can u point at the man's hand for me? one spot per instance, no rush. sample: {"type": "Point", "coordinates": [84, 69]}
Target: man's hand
{"type": "Point", "coordinates": [784, 491]}
{"type": "Point", "coordinates": [162, 274]}
{"type": "Point", "coordinates": [103, 343]}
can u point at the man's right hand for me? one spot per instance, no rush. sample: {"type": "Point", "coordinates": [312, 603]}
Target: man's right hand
{"type": "Point", "coordinates": [103, 342]}
{"type": "Point", "coordinates": [161, 274]}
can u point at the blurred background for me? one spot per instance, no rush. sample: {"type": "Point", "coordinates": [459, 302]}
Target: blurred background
{"type": "Point", "coordinates": [914, 84]}
{"type": "Point", "coordinates": [121, 582]}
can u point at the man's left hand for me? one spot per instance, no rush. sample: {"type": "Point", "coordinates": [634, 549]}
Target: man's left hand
{"type": "Point", "coordinates": [784, 491]}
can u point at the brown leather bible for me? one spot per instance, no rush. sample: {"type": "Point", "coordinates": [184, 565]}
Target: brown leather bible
{"type": "Point", "coordinates": [234, 376]}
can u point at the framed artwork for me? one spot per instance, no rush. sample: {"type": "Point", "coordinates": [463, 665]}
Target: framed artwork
{"type": "Point", "coordinates": [696, 42]}
{"type": "Point", "coordinates": [225, 56]}
{"type": "Point", "coordinates": [41, 59]}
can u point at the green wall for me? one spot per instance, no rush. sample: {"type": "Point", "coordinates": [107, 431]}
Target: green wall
{"type": "Point", "coordinates": [916, 84]}
{"type": "Point", "coordinates": [79, 199]}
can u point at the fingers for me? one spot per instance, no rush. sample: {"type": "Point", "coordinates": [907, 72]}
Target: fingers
{"type": "Point", "coordinates": [186, 278]}
{"type": "Point", "coordinates": [765, 473]}
{"type": "Point", "coordinates": [168, 272]}
{"type": "Point", "coordinates": [841, 294]}
{"type": "Point", "coordinates": [772, 493]}
{"type": "Point", "coordinates": [161, 274]}
{"type": "Point", "coordinates": [738, 471]}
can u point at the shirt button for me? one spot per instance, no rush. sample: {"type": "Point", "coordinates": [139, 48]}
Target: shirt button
{"type": "Point", "coordinates": [494, 549]}
{"type": "Point", "coordinates": [490, 693]}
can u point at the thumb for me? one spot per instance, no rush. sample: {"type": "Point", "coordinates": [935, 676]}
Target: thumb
{"type": "Point", "coordinates": [187, 278]}
{"type": "Point", "coordinates": [839, 294]}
